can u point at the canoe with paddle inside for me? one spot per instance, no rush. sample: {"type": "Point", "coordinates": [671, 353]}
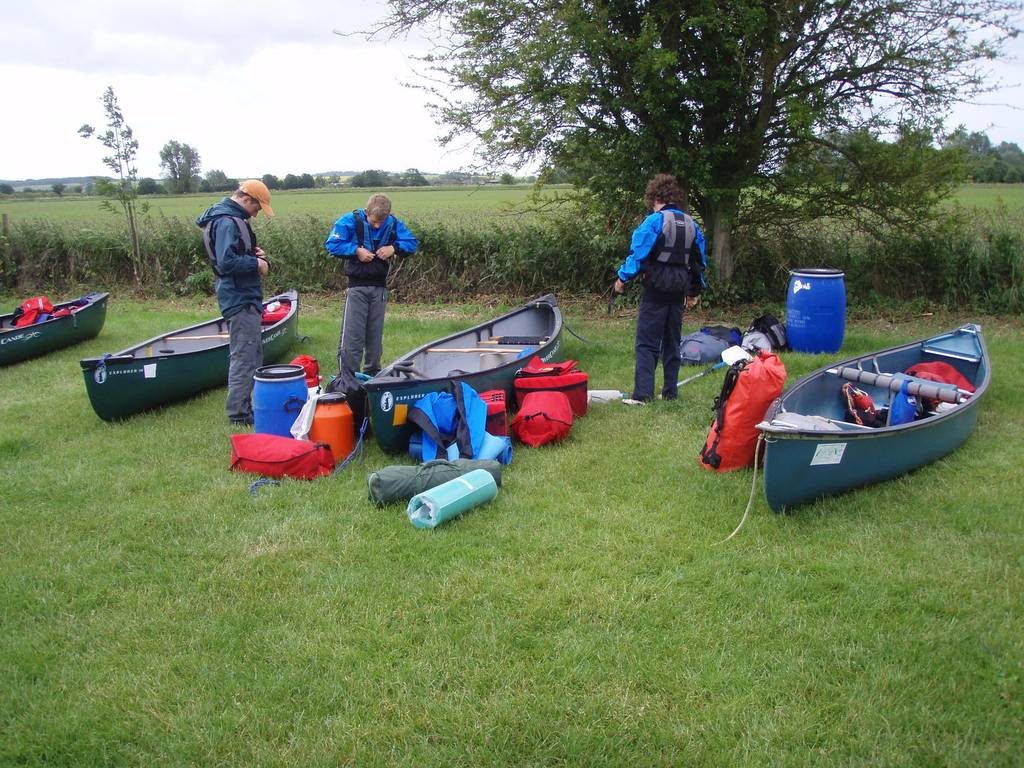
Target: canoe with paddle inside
{"type": "Point", "coordinates": [179, 364]}
{"type": "Point", "coordinates": [815, 444]}
{"type": "Point", "coordinates": [486, 357]}
{"type": "Point", "coordinates": [69, 323]}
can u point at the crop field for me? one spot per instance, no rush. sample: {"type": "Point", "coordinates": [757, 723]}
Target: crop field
{"type": "Point", "coordinates": [422, 204]}
{"type": "Point", "coordinates": [465, 204]}
{"type": "Point", "coordinates": [154, 612]}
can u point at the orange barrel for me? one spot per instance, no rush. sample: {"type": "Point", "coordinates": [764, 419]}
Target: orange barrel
{"type": "Point", "coordinates": [332, 424]}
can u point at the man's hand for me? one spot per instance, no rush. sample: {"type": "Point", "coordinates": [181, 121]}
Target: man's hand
{"type": "Point", "coordinates": [385, 252]}
{"type": "Point", "coordinates": [619, 287]}
{"type": "Point", "coordinates": [691, 301]}
{"type": "Point", "coordinates": [364, 255]}
{"type": "Point", "coordinates": [259, 254]}
{"type": "Point", "coordinates": [262, 265]}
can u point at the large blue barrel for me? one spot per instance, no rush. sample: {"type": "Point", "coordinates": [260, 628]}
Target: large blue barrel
{"type": "Point", "coordinates": [278, 394]}
{"type": "Point", "coordinates": [816, 310]}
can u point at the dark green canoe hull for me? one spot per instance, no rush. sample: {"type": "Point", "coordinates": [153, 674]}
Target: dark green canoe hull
{"type": "Point", "coordinates": [389, 396]}
{"type": "Point", "coordinates": [125, 384]}
{"type": "Point", "coordinates": [34, 340]}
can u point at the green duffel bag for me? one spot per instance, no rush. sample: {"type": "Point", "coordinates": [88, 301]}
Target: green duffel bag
{"type": "Point", "coordinates": [401, 483]}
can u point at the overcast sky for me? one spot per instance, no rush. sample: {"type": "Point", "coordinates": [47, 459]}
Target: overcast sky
{"type": "Point", "coordinates": [257, 86]}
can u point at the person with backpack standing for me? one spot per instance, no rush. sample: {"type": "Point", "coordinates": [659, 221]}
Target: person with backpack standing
{"type": "Point", "coordinates": [367, 240]}
{"type": "Point", "coordinates": [239, 264]}
{"type": "Point", "coordinates": [667, 251]}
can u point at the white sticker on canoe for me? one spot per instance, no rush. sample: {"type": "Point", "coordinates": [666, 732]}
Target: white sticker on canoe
{"type": "Point", "coordinates": [149, 370]}
{"type": "Point", "coordinates": [387, 402]}
{"type": "Point", "coordinates": [828, 453]}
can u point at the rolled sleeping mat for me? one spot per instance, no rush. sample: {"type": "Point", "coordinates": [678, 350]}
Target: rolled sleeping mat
{"type": "Point", "coordinates": [431, 508]}
{"type": "Point", "coordinates": [497, 447]}
{"type": "Point", "coordinates": [402, 482]}
{"type": "Point", "coordinates": [947, 393]}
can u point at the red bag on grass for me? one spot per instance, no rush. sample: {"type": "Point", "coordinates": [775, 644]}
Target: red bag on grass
{"type": "Point", "coordinates": [748, 390]}
{"type": "Point", "coordinates": [544, 417]}
{"type": "Point", "coordinates": [538, 376]}
{"type": "Point", "coordinates": [276, 456]}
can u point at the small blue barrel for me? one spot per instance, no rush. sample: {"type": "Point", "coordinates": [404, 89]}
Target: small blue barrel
{"type": "Point", "coordinates": [816, 310]}
{"type": "Point", "coordinates": [278, 394]}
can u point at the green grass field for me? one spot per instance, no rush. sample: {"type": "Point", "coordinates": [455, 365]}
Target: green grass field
{"type": "Point", "coordinates": [424, 203]}
{"type": "Point", "coordinates": [416, 202]}
{"type": "Point", "coordinates": [154, 613]}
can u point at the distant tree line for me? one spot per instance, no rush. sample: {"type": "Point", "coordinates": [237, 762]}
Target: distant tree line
{"type": "Point", "coordinates": [1003, 164]}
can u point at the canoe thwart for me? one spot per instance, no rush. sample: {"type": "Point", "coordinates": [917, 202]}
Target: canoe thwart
{"type": "Point", "coordinates": [197, 338]}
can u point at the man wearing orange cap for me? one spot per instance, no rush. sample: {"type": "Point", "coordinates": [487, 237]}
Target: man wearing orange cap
{"type": "Point", "coordinates": [239, 264]}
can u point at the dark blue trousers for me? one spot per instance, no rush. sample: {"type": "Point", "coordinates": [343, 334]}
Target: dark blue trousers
{"type": "Point", "coordinates": [658, 330]}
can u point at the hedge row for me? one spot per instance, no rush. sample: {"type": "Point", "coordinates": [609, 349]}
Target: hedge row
{"type": "Point", "coordinates": [969, 263]}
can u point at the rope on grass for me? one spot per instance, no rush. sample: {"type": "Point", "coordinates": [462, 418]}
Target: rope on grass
{"type": "Point", "coordinates": [358, 449]}
{"type": "Point", "coordinates": [254, 489]}
{"type": "Point", "coordinates": [753, 489]}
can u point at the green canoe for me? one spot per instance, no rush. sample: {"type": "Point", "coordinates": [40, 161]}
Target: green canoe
{"type": "Point", "coordinates": [486, 356]}
{"type": "Point", "coordinates": [175, 365]}
{"type": "Point", "coordinates": [17, 344]}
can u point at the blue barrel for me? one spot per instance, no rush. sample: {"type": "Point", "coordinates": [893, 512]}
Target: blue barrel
{"type": "Point", "coordinates": [278, 394]}
{"type": "Point", "coordinates": [816, 310]}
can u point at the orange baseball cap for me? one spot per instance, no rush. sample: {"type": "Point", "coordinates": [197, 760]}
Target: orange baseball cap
{"type": "Point", "coordinates": [257, 190]}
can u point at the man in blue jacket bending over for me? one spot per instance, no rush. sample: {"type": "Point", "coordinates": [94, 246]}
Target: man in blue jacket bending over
{"type": "Point", "coordinates": [667, 250]}
{"type": "Point", "coordinates": [367, 240]}
{"type": "Point", "coordinates": [239, 265]}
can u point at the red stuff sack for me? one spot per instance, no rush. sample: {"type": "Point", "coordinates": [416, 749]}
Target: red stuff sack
{"type": "Point", "coordinates": [271, 316]}
{"type": "Point", "coordinates": [538, 376]}
{"type": "Point", "coordinates": [941, 373]}
{"type": "Point", "coordinates": [33, 311]}
{"type": "Point", "coordinates": [748, 390]}
{"type": "Point", "coordinates": [276, 456]}
{"type": "Point", "coordinates": [497, 414]}
{"type": "Point", "coordinates": [544, 417]}
{"type": "Point", "coordinates": [311, 367]}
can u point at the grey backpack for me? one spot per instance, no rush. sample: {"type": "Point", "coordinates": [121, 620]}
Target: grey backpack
{"type": "Point", "coordinates": [701, 348]}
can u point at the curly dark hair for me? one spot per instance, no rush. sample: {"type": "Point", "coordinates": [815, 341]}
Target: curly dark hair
{"type": "Point", "coordinates": [663, 188]}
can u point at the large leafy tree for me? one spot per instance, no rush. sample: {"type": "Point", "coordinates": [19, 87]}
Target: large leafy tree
{"type": "Point", "coordinates": [182, 165]}
{"type": "Point", "coordinates": [732, 96]}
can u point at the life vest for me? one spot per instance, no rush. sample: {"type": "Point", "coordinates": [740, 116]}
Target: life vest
{"type": "Point", "coordinates": [669, 266]}
{"type": "Point", "coordinates": [748, 390]}
{"type": "Point", "coordinates": [244, 231]}
{"type": "Point", "coordinates": [456, 419]}
{"type": "Point", "coordinates": [35, 310]}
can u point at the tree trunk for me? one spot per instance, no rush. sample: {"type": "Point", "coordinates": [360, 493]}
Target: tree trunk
{"type": "Point", "coordinates": [720, 222]}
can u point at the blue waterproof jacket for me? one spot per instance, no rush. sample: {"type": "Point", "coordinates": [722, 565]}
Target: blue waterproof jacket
{"type": "Point", "coordinates": [442, 410]}
{"type": "Point", "coordinates": [645, 237]}
{"type": "Point", "coordinates": [239, 283]}
{"type": "Point", "coordinates": [344, 240]}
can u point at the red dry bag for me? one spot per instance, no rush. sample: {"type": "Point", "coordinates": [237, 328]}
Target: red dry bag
{"type": "Point", "coordinates": [271, 316]}
{"type": "Point", "coordinates": [276, 456]}
{"type": "Point", "coordinates": [544, 417]}
{"type": "Point", "coordinates": [538, 376]}
{"type": "Point", "coordinates": [311, 367]}
{"type": "Point", "coordinates": [748, 390]}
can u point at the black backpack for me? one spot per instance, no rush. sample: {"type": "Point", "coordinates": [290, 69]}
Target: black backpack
{"type": "Point", "coordinates": [771, 327]}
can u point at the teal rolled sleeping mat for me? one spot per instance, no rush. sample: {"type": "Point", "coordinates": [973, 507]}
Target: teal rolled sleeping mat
{"type": "Point", "coordinates": [433, 507]}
